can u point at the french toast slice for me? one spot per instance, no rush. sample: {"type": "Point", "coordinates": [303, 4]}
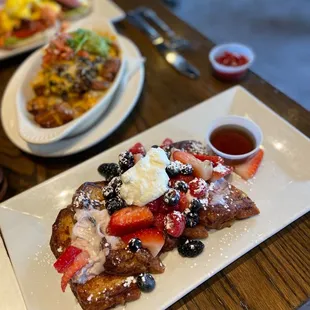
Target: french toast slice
{"type": "Point", "coordinates": [105, 291]}
{"type": "Point", "coordinates": [116, 285]}
{"type": "Point", "coordinates": [236, 205]}
{"type": "Point", "coordinates": [124, 262]}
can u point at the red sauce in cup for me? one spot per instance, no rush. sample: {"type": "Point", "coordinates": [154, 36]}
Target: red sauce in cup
{"type": "Point", "coordinates": [231, 59]}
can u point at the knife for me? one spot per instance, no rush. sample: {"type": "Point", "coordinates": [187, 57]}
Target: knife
{"type": "Point", "coordinates": [177, 61]}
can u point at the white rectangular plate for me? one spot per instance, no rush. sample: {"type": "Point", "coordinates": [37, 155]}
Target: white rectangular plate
{"type": "Point", "coordinates": [280, 189]}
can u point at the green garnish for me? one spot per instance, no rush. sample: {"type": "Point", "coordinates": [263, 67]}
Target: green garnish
{"type": "Point", "coordinates": [89, 41]}
{"type": "Point", "coordinates": [11, 41]}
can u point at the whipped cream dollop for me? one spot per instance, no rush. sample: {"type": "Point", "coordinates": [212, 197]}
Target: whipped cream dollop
{"type": "Point", "coordinates": [89, 234]}
{"type": "Point", "coordinates": [147, 180]}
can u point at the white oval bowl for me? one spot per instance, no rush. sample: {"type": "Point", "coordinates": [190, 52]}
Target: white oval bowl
{"type": "Point", "coordinates": [246, 123]}
{"type": "Point", "coordinates": [29, 130]}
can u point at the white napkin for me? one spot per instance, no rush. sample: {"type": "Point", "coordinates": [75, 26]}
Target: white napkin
{"type": "Point", "coordinates": [10, 294]}
{"type": "Point", "coordinates": [133, 64]}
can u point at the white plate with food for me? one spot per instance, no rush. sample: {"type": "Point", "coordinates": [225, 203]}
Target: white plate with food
{"type": "Point", "coordinates": [34, 211]}
{"type": "Point", "coordinates": [24, 31]}
{"type": "Point", "coordinates": [68, 84]}
{"type": "Point", "coordinates": [123, 102]}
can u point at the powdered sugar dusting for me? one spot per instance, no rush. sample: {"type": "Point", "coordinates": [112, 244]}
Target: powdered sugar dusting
{"type": "Point", "coordinates": [169, 223]}
{"type": "Point", "coordinates": [82, 200]}
{"type": "Point", "coordinates": [129, 281]}
{"type": "Point", "coordinates": [220, 169]}
{"type": "Point", "coordinates": [197, 148]}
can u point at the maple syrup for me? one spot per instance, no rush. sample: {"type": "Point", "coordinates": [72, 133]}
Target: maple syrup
{"type": "Point", "coordinates": [233, 140]}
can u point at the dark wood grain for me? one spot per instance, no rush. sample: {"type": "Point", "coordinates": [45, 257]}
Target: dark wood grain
{"type": "Point", "coordinates": [275, 275]}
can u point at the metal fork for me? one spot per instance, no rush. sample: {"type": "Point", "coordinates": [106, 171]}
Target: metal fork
{"type": "Point", "coordinates": [175, 41]}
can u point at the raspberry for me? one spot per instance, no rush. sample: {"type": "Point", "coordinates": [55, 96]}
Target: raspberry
{"type": "Point", "coordinates": [175, 223]}
{"type": "Point", "coordinates": [198, 187]}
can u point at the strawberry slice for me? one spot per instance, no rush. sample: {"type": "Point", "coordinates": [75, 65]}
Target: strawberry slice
{"type": "Point", "coordinates": [138, 148]}
{"type": "Point", "coordinates": [155, 205]}
{"type": "Point", "coordinates": [159, 206]}
{"type": "Point", "coordinates": [137, 157]}
{"type": "Point", "coordinates": [159, 221]}
{"type": "Point", "coordinates": [66, 258]}
{"type": "Point", "coordinates": [221, 171]}
{"type": "Point", "coordinates": [214, 159]}
{"type": "Point", "coordinates": [198, 187]}
{"type": "Point", "coordinates": [151, 238]}
{"type": "Point", "coordinates": [202, 169]}
{"type": "Point", "coordinates": [175, 224]}
{"type": "Point", "coordinates": [166, 142]}
{"type": "Point", "coordinates": [129, 219]}
{"type": "Point", "coordinates": [248, 169]}
{"type": "Point", "coordinates": [80, 261]}
{"type": "Point", "coordinates": [183, 203]}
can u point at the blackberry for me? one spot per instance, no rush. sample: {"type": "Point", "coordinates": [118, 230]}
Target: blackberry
{"type": "Point", "coordinates": [134, 244]}
{"type": "Point", "coordinates": [186, 169]}
{"type": "Point", "coordinates": [195, 205]}
{"type": "Point", "coordinates": [173, 169]}
{"type": "Point", "coordinates": [190, 248]}
{"type": "Point", "coordinates": [126, 160]}
{"type": "Point", "coordinates": [192, 219]}
{"type": "Point", "coordinates": [146, 282]}
{"type": "Point", "coordinates": [108, 192]}
{"type": "Point", "coordinates": [181, 186]}
{"type": "Point", "coordinates": [116, 182]}
{"type": "Point", "coordinates": [114, 204]}
{"type": "Point", "coordinates": [172, 197]}
{"type": "Point", "coordinates": [109, 171]}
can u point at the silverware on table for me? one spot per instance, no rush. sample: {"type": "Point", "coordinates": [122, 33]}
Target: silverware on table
{"type": "Point", "coordinates": [175, 41]}
{"type": "Point", "coordinates": [177, 61]}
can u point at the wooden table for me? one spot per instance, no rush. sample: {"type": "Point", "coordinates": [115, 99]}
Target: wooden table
{"type": "Point", "coordinates": [275, 275]}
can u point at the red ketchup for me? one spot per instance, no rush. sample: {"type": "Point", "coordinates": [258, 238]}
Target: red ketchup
{"type": "Point", "coordinates": [229, 59]}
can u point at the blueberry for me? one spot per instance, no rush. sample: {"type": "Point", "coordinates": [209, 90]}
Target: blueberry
{"type": "Point", "coordinates": [186, 169]}
{"type": "Point", "coordinates": [173, 169]}
{"type": "Point", "coordinates": [126, 160]}
{"type": "Point", "coordinates": [146, 282]}
{"type": "Point", "coordinates": [109, 171]}
{"type": "Point", "coordinates": [155, 146]}
{"type": "Point", "coordinates": [108, 192]}
{"type": "Point", "coordinates": [192, 219]}
{"type": "Point", "coordinates": [190, 248]}
{"type": "Point", "coordinates": [181, 186]}
{"type": "Point", "coordinates": [195, 205]}
{"type": "Point", "coordinates": [134, 244]}
{"type": "Point", "coordinates": [172, 197]}
{"type": "Point", "coordinates": [114, 204]}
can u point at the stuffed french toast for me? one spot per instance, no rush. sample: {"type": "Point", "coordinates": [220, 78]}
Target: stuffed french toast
{"type": "Point", "coordinates": [109, 240]}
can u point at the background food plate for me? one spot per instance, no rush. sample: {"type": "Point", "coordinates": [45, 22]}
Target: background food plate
{"type": "Point", "coordinates": [101, 8]}
{"type": "Point", "coordinates": [123, 102]}
{"type": "Point", "coordinates": [26, 219]}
